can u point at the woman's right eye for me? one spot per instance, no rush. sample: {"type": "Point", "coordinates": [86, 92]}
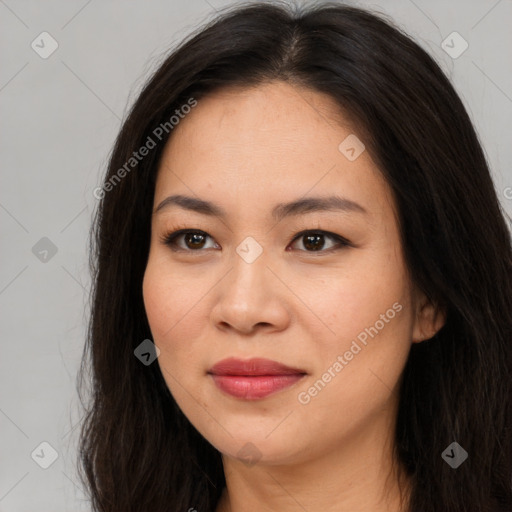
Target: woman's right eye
{"type": "Point", "coordinates": [195, 240]}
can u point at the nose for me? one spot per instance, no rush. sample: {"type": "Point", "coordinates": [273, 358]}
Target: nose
{"type": "Point", "coordinates": [251, 298]}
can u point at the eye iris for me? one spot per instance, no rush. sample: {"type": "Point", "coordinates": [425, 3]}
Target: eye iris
{"type": "Point", "coordinates": [194, 238]}
{"type": "Point", "coordinates": [312, 242]}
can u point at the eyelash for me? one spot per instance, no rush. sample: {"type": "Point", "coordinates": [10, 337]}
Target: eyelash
{"type": "Point", "coordinates": [170, 237]}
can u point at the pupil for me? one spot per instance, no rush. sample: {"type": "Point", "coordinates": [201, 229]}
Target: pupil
{"type": "Point", "coordinates": [196, 239]}
{"type": "Point", "coordinates": [314, 246]}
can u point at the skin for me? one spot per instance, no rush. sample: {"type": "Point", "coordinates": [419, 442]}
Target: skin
{"type": "Point", "coordinates": [247, 150]}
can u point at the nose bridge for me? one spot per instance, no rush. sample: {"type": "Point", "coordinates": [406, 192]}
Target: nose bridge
{"type": "Point", "coordinates": [249, 268]}
{"type": "Point", "coordinates": [250, 293]}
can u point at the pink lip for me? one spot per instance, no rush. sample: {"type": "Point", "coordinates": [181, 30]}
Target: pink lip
{"type": "Point", "coordinates": [253, 379]}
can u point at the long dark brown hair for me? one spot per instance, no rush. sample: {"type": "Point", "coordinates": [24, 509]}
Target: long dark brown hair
{"type": "Point", "coordinates": [138, 452]}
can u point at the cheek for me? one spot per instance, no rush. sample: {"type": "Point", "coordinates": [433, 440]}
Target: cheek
{"type": "Point", "coordinates": [368, 313]}
{"type": "Point", "coordinates": [176, 320]}
{"type": "Point", "coordinates": [346, 302]}
{"type": "Point", "coordinates": [168, 299]}
{"type": "Point", "coordinates": [157, 293]}
{"type": "Point", "coordinates": [372, 318]}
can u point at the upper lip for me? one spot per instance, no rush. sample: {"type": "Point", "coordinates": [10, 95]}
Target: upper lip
{"type": "Point", "coordinates": [254, 366]}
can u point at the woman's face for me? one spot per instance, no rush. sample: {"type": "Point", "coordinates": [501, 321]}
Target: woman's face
{"type": "Point", "coordinates": [343, 314]}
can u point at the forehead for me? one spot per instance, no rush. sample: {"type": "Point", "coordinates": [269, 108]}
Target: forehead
{"type": "Point", "coordinates": [265, 117]}
{"type": "Point", "coordinates": [265, 143]}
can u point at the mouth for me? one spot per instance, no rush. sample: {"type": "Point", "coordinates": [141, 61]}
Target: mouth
{"type": "Point", "coordinates": [253, 379]}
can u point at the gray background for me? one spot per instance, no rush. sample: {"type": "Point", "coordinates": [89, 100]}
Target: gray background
{"type": "Point", "coordinates": [59, 117]}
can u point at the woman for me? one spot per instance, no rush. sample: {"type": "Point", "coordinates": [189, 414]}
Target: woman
{"type": "Point", "coordinates": [303, 285]}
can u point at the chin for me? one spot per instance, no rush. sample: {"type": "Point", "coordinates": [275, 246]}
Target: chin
{"type": "Point", "coordinates": [257, 448]}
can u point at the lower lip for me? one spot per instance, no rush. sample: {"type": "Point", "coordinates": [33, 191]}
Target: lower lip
{"type": "Point", "coordinates": [254, 387]}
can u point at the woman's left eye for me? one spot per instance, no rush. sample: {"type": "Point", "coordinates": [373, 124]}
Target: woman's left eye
{"type": "Point", "coordinates": [313, 241]}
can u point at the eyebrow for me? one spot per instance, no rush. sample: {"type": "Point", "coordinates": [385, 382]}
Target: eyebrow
{"type": "Point", "coordinates": [279, 212]}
